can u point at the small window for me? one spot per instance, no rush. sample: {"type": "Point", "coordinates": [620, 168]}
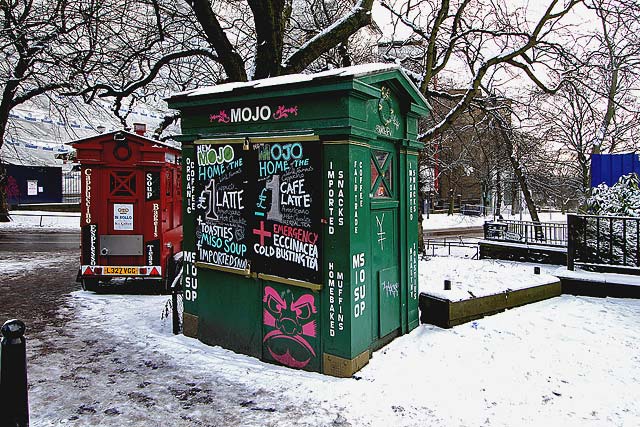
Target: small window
{"type": "Point", "coordinates": [178, 184]}
{"type": "Point", "coordinates": [169, 183]}
{"type": "Point", "coordinates": [122, 183]}
{"type": "Point", "coordinates": [381, 174]}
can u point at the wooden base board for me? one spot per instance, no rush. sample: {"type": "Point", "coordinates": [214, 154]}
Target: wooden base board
{"type": "Point", "coordinates": [190, 325]}
{"type": "Point", "coordinates": [540, 254]}
{"type": "Point", "coordinates": [599, 289]}
{"type": "Point", "coordinates": [446, 314]}
{"type": "Point", "coordinates": [343, 368]}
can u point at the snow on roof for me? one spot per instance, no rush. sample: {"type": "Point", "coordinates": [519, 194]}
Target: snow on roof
{"type": "Point", "coordinates": [37, 122]}
{"type": "Point", "coordinates": [29, 154]}
{"type": "Point", "coordinates": [168, 143]}
{"type": "Point", "coordinates": [353, 71]}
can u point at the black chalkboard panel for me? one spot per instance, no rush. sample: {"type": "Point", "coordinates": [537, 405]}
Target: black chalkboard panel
{"type": "Point", "coordinates": [223, 200]}
{"type": "Point", "coordinates": [287, 211]}
{"type": "Point", "coordinates": [259, 209]}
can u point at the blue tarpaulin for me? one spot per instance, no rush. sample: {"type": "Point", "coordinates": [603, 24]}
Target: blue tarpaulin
{"type": "Point", "coordinates": [608, 168]}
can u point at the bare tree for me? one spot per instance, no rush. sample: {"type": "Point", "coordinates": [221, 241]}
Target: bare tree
{"type": "Point", "coordinates": [240, 40]}
{"type": "Point", "coordinates": [484, 42]}
{"type": "Point", "coordinates": [612, 58]}
{"type": "Point", "coordinates": [484, 38]}
{"type": "Point", "coordinates": [44, 46]}
{"type": "Point", "coordinates": [129, 50]}
{"type": "Point", "coordinates": [599, 110]}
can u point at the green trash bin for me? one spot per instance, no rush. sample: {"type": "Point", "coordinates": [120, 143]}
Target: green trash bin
{"type": "Point", "coordinates": [300, 215]}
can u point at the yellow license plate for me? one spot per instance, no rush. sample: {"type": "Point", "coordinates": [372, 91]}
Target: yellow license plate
{"type": "Point", "coordinates": [121, 271]}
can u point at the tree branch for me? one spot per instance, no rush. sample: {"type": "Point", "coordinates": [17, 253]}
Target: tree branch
{"type": "Point", "coordinates": [231, 60]}
{"type": "Point", "coordinates": [338, 32]}
{"type": "Point", "coordinates": [104, 90]}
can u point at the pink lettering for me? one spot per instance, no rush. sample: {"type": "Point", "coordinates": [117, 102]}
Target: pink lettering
{"type": "Point", "coordinates": [221, 117]}
{"type": "Point", "coordinates": [282, 112]}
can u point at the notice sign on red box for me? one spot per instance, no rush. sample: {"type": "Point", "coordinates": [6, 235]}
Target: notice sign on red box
{"type": "Point", "coordinates": [123, 216]}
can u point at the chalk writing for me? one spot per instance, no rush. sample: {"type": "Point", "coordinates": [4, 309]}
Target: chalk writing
{"type": "Point", "coordinates": [335, 197]}
{"type": "Point", "coordinates": [391, 289]}
{"type": "Point", "coordinates": [87, 195]}
{"type": "Point", "coordinates": [336, 299]}
{"type": "Point", "coordinates": [358, 194]}
{"type": "Point", "coordinates": [273, 185]}
{"type": "Point", "coordinates": [381, 233]}
{"type": "Point", "coordinates": [256, 209]}
{"type": "Point", "coordinates": [221, 219]}
{"type": "Point", "coordinates": [413, 191]}
{"type": "Point", "coordinates": [190, 277]}
{"type": "Point", "coordinates": [287, 227]}
{"type": "Point", "coordinates": [360, 287]}
{"type": "Point", "coordinates": [413, 271]}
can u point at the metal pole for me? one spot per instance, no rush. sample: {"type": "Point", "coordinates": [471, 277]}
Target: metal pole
{"type": "Point", "coordinates": [175, 315]}
{"type": "Point", "coordinates": [571, 241]}
{"type": "Point", "coordinates": [13, 375]}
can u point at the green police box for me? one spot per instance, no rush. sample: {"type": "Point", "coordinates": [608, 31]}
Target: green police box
{"type": "Point", "coordinates": [300, 215]}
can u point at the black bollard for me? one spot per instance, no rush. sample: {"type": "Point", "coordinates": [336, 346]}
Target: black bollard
{"type": "Point", "coordinates": [447, 285]}
{"type": "Point", "coordinates": [174, 311]}
{"type": "Point", "coordinates": [13, 375]}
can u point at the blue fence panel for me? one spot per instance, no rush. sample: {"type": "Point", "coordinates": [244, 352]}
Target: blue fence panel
{"type": "Point", "coordinates": [46, 184]}
{"type": "Point", "coordinates": [608, 168]}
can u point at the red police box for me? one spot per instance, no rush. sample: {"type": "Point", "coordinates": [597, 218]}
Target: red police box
{"type": "Point", "coordinates": [131, 204]}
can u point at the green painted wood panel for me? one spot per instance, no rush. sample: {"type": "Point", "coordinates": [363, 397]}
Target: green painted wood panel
{"type": "Point", "coordinates": [368, 261]}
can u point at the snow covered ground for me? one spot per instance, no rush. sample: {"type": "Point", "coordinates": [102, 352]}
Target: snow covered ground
{"type": "Point", "coordinates": [45, 220]}
{"type": "Point", "coordinates": [440, 221]}
{"type": "Point", "coordinates": [471, 278]}
{"type": "Point", "coordinates": [567, 361]}
{"type": "Point", "coordinates": [71, 220]}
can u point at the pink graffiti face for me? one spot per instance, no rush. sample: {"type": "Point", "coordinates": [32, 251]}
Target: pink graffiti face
{"type": "Point", "coordinates": [292, 321]}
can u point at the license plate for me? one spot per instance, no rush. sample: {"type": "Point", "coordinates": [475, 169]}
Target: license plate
{"type": "Point", "coordinates": [121, 271]}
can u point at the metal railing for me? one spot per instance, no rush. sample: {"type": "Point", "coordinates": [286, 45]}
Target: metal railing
{"type": "Point", "coordinates": [604, 243]}
{"type": "Point", "coordinates": [527, 232]}
{"type": "Point", "coordinates": [473, 210]}
{"type": "Point", "coordinates": [71, 186]}
{"type": "Point", "coordinates": [42, 215]}
{"type": "Point", "coordinates": [431, 246]}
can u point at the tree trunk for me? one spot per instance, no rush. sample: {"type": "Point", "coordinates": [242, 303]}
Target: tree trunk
{"type": "Point", "coordinates": [5, 107]}
{"type": "Point", "coordinates": [522, 181]}
{"type": "Point", "coordinates": [420, 218]}
{"type": "Point", "coordinates": [498, 207]}
{"type": "Point", "coordinates": [4, 207]}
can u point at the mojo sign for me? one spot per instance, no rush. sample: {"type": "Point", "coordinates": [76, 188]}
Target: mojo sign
{"type": "Point", "coordinates": [253, 114]}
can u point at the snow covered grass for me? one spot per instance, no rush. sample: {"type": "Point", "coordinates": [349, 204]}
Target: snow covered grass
{"type": "Point", "coordinates": [71, 220]}
{"type": "Point", "coordinates": [440, 221]}
{"type": "Point", "coordinates": [578, 274]}
{"type": "Point", "coordinates": [477, 278]}
{"type": "Point", "coordinates": [43, 220]}
{"type": "Point", "coordinates": [22, 264]}
{"type": "Point", "coordinates": [569, 361]}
